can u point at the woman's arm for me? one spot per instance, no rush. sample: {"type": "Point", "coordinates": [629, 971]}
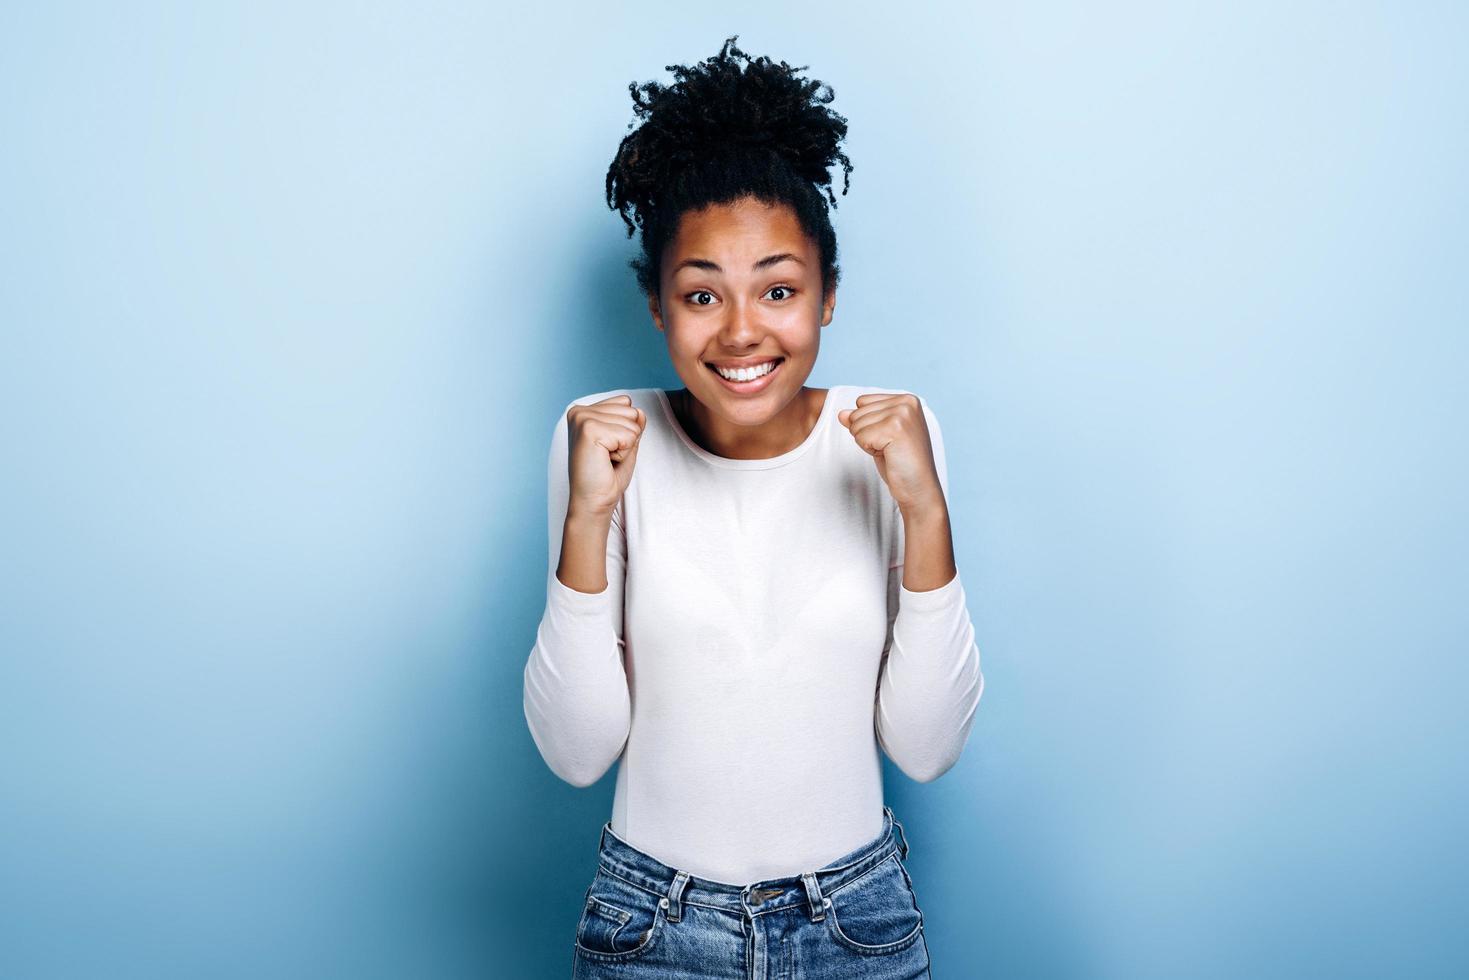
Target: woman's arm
{"type": "Point", "coordinates": [929, 682]}
{"type": "Point", "coordinates": [576, 698]}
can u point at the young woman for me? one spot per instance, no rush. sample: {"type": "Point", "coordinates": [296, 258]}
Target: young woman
{"type": "Point", "coordinates": [772, 598]}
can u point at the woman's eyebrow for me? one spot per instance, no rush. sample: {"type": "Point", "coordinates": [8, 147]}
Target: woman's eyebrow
{"type": "Point", "coordinates": [769, 260]}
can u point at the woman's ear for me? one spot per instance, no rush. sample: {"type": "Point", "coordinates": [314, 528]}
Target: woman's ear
{"type": "Point", "coordinates": [828, 304]}
{"type": "Point", "coordinates": [655, 310]}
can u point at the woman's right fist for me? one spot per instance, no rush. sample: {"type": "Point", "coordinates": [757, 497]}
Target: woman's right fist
{"type": "Point", "coordinates": [602, 445]}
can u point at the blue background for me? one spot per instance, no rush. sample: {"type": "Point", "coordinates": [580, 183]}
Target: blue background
{"type": "Point", "coordinates": [291, 296]}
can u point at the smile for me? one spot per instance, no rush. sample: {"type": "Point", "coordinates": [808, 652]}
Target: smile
{"type": "Point", "coordinates": [747, 380]}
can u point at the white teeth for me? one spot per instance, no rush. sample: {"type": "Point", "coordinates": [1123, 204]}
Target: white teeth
{"type": "Point", "coordinates": [746, 374]}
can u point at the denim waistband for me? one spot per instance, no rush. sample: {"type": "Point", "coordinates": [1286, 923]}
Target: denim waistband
{"type": "Point", "coordinates": [679, 887]}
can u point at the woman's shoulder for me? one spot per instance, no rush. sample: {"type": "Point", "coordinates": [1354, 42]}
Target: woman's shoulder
{"type": "Point", "coordinates": [852, 391]}
{"type": "Point", "coordinates": [639, 395]}
{"type": "Point", "coordinates": [648, 399]}
{"type": "Point", "coordinates": [846, 395]}
{"type": "Point", "coordinates": [644, 398]}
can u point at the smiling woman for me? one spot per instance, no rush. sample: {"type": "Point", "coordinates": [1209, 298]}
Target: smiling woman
{"type": "Point", "coordinates": [773, 600]}
{"type": "Point", "coordinates": [744, 340]}
{"type": "Point", "coordinates": [739, 257]}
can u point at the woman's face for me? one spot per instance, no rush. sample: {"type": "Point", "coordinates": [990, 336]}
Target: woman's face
{"type": "Point", "coordinates": [741, 285]}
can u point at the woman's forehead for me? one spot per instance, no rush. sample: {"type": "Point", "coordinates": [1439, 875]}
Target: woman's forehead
{"type": "Point", "coordinates": [737, 238]}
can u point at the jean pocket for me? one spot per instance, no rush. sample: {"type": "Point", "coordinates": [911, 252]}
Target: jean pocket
{"type": "Point", "coordinates": [619, 921]}
{"type": "Point", "coordinates": [876, 913]}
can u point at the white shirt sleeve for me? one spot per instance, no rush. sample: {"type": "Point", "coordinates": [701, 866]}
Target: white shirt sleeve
{"type": "Point", "coordinates": [929, 682]}
{"type": "Point", "coordinates": [576, 696]}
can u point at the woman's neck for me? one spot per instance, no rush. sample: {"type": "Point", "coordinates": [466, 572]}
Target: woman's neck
{"type": "Point", "coordinates": [783, 432]}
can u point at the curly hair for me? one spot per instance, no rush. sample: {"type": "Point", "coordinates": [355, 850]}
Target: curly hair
{"type": "Point", "coordinates": [723, 132]}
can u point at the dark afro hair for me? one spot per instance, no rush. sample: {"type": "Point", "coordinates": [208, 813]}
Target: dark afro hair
{"type": "Point", "coordinates": [722, 132]}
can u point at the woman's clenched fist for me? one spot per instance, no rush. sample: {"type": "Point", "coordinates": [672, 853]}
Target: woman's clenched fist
{"type": "Point", "coordinates": [892, 430]}
{"type": "Point", "coordinates": [602, 444]}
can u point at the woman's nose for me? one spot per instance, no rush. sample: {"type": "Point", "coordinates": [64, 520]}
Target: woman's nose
{"type": "Point", "coordinates": [741, 328]}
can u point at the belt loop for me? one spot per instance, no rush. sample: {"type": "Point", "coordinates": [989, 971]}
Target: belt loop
{"type": "Point", "coordinates": [813, 896]}
{"type": "Point", "coordinates": [902, 835]}
{"type": "Point", "coordinates": [673, 902]}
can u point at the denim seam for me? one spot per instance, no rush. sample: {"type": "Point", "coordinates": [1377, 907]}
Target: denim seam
{"type": "Point", "coordinates": [775, 908]}
{"type": "Point", "coordinates": [844, 885]}
{"type": "Point", "coordinates": [883, 949]}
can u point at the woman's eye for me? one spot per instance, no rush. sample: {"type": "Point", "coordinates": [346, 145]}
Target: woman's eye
{"type": "Point", "coordinates": [785, 293]}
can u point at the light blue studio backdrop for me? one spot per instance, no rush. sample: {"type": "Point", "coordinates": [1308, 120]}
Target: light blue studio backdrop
{"type": "Point", "coordinates": [291, 298]}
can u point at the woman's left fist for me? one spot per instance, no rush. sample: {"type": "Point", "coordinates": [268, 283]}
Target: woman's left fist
{"type": "Point", "coordinates": [892, 430]}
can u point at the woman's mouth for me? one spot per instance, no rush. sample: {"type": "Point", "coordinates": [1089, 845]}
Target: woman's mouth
{"type": "Point", "coordinates": [757, 378]}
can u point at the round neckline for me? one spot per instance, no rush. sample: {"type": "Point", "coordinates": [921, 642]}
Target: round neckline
{"type": "Point", "coordinates": [827, 409]}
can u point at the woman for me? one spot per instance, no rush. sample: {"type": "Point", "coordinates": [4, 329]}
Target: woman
{"type": "Point", "coordinates": [771, 599]}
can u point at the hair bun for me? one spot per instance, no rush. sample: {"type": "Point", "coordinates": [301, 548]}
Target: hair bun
{"type": "Point", "coordinates": [720, 109]}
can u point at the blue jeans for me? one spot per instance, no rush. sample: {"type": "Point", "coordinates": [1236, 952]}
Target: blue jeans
{"type": "Point", "coordinates": [857, 917]}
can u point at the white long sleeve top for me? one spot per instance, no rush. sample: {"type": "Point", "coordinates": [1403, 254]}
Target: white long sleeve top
{"type": "Point", "coordinates": [753, 650]}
